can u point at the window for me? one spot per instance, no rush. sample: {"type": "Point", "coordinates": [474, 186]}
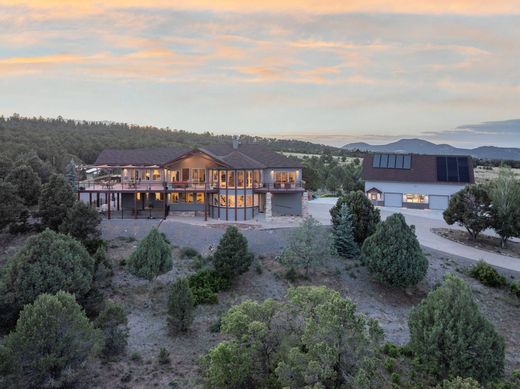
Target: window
{"type": "Point", "coordinates": [257, 177]}
{"type": "Point", "coordinates": [199, 175]}
{"type": "Point", "coordinates": [175, 175]}
{"type": "Point", "coordinates": [156, 175]}
{"type": "Point", "coordinates": [292, 177]}
{"type": "Point", "coordinates": [249, 201]}
{"type": "Point", "coordinates": [157, 196]}
{"type": "Point", "coordinates": [415, 198]}
{"type": "Point", "coordinates": [147, 174]}
{"type": "Point", "coordinates": [189, 198]}
{"type": "Point", "coordinates": [223, 179]}
{"type": "Point", "coordinates": [222, 200]}
{"type": "Point", "coordinates": [240, 179]}
{"type": "Point", "coordinates": [240, 201]}
{"type": "Point", "coordinates": [200, 198]}
{"type": "Point", "coordinates": [231, 201]}
{"type": "Point", "coordinates": [174, 197]}
{"type": "Point", "coordinates": [215, 200]}
{"type": "Point", "coordinates": [231, 179]}
{"type": "Point", "coordinates": [249, 178]}
{"type": "Point", "coordinates": [138, 195]}
{"type": "Point", "coordinates": [185, 174]}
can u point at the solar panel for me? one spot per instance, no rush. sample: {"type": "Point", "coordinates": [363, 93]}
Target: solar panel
{"type": "Point", "coordinates": [463, 169]}
{"type": "Point", "coordinates": [377, 160]}
{"type": "Point", "coordinates": [391, 161]}
{"type": "Point", "coordinates": [407, 161]}
{"type": "Point", "coordinates": [384, 161]}
{"type": "Point", "coordinates": [399, 162]}
{"type": "Point", "coordinates": [453, 171]}
{"type": "Point", "coordinates": [442, 173]}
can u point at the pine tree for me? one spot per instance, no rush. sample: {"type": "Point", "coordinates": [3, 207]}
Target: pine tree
{"type": "Point", "coordinates": [12, 208]}
{"type": "Point", "coordinates": [451, 337]}
{"type": "Point", "coordinates": [393, 253]}
{"type": "Point", "coordinates": [27, 183]}
{"type": "Point", "coordinates": [152, 257]}
{"type": "Point", "coordinates": [344, 241]}
{"type": "Point", "coordinates": [55, 199]}
{"type": "Point", "coordinates": [113, 323]}
{"type": "Point", "coordinates": [232, 257]}
{"type": "Point", "coordinates": [82, 222]}
{"type": "Point", "coordinates": [72, 175]}
{"type": "Point", "coordinates": [180, 306]}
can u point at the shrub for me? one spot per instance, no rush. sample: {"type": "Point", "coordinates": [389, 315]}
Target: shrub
{"type": "Point", "coordinates": [180, 306]}
{"type": "Point", "coordinates": [393, 253]}
{"type": "Point", "coordinates": [231, 257]}
{"type": "Point", "coordinates": [56, 199]}
{"type": "Point", "coordinates": [189, 252]}
{"type": "Point", "coordinates": [450, 337]}
{"type": "Point", "coordinates": [113, 323]}
{"type": "Point", "coordinates": [365, 217]}
{"type": "Point", "coordinates": [82, 222]}
{"type": "Point", "coordinates": [391, 350]}
{"type": "Point", "coordinates": [12, 209]}
{"type": "Point", "coordinates": [47, 263]}
{"type": "Point", "coordinates": [136, 356]}
{"type": "Point", "coordinates": [515, 288]}
{"type": "Point", "coordinates": [205, 284]}
{"type": "Point", "coordinates": [307, 247]}
{"type": "Point", "coordinates": [164, 356]}
{"type": "Point", "coordinates": [52, 342]}
{"type": "Point", "coordinates": [487, 274]}
{"type": "Point", "coordinates": [343, 234]}
{"type": "Point", "coordinates": [459, 383]}
{"type": "Point", "coordinates": [27, 183]}
{"type": "Point", "coordinates": [152, 256]}
{"type": "Point", "coordinates": [470, 208]}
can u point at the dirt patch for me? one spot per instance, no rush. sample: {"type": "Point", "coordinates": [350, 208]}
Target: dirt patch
{"type": "Point", "coordinates": [146, 305]}
{"type": "Point", "coordinates": [484, 242]}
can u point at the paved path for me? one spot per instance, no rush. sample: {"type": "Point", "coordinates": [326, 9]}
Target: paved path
{"type": "Point", "coordinates": [424, 221]}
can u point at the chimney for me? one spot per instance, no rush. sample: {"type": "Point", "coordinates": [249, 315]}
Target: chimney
{"type": "Point", "coordinates": [236, 141]}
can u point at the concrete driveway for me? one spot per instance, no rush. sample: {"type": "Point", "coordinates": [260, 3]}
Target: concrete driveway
{"type": "Point", "coordinates": [424, 221]}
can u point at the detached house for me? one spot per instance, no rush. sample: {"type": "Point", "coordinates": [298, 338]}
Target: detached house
{"type": "Point", "coordinates": [415, 181]}
{"type": "Point", "coordinates": [224, 181]}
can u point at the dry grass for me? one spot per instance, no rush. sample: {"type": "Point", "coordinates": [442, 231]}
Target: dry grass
{"type": "Point", "coordinates": [483, 175]}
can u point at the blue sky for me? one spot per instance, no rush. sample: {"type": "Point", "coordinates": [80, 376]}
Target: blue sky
{"type": "Point", "coordinates": [329, 72]}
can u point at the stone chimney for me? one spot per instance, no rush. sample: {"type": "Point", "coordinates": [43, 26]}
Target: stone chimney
{"type": "Point", "coordinates": [236, 141]}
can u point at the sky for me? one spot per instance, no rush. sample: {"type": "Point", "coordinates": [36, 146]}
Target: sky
{"type": "Point", "coordinates": [330, 72]}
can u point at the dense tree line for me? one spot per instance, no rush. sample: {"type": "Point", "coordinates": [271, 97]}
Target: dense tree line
{"type": "Point", "coordinates": [58, 140]}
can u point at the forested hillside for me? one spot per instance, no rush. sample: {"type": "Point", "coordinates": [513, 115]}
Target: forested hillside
{"type": "Point", "coordinates": [58, 140]}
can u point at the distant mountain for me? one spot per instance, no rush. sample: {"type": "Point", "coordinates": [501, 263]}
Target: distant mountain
{"type": "Point", "coordinates": [420, 146]}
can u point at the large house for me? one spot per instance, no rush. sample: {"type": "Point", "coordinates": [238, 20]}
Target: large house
{"type": "Point", "coordinates": [233, 182]}
{"type": "Point", "coordinates": [415, 181]}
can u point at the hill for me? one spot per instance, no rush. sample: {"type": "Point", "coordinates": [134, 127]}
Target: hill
{"type": "Point", "coordinates": [420, 146]}
{"type": "Point", "coordinates": [58, 140]}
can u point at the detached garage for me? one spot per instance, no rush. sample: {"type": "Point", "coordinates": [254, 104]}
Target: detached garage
{"type": "Point", "coordinates": [414, 180]}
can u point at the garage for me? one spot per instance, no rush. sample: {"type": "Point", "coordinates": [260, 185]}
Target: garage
{"type": "Point", "coordinates": [439, 202]}
{"type": "Point", "coordinates": [393, 200]}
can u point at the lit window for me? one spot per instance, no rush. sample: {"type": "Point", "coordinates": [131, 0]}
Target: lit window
{"type": "Point", "coordinates": [222, 200]}
{"type": "Point", "coordinates": [156, 175]}
{"type": "Point", "coordinates": [138, 195]}
{"type": "Point", "coordinates": [415, 198]}
{"type": "Point", "coordinates": [231, 179]}
{"type": "Point", "coordinates": [189, 198]}
{"type": "Point", "coordinates": [249, 201]}
{"type": "Point", "coordinates": [240, 179]}
{"type": "Point", "coordinates": [200, 198]}
{"type": "Point", "coordinates": [231, 201]}
{"type": "Point", "coordinates": [174, 197]}
{"type": "Point", "coordinates": [240, 201]}
{"type": "Point", "coordinates": [157, 195]}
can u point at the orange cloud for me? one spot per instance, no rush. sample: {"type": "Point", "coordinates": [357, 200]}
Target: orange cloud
{"type": "Point", "coordinates": [470, 7]}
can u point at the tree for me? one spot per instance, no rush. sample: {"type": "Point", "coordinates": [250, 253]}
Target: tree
{"type": "Point", "coordinates": [12, 208]}
{"type": "Point", "coordinates": [459, 383]}
{"type": "Point", "coordinates": [307, 246]}
{"type": "Point", "coordinates": [470, 208]}
{"type": "Point", "coordinates": [27, 183]}
{"type": "Point", "coordinates": [43, 168]}
{"type": "Point", "coordinates": [113, 324]}
{"type": "Point", "coordinates": [343, 234]}
{"type": "Point", "coordinates": [332, 183]}
{"type": "Point", "coordinates": [6, 166]}
{"type": "Point", "coordinates": [48, 262]}
{"type": "Point", "coordinates": [153, 256]}
{"type": "Point", "coordinates": [393, 254]}
{"type": "Point", "coordinates": [232, 256]}
{"type": "Point", "coordinates": [55, 199]}
{"type": "Point", "coordinates": [505, 205]}
{"type": "Point", "coordinates": [180, 306]}
{"type": "Point", "coordinates": [311, 178]}
{"type": "Point", "coordinates": [52, 342]}
{"type": "Point", "coordinates": [365, 216]}
{"type": "Point", "coordinates": [315, 339]}
{"type": "Point", "coordinates": [451, 337]}
{"type": "Point", "coordinates": [82, 222]}
{"type": "Point", "coordinates": [72, 176]}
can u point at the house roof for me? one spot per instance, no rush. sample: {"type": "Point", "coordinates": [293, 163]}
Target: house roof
{"type": "Point", "coordinates": [423, 169]}
{"type": "Point", "coordinates": [246, 156]}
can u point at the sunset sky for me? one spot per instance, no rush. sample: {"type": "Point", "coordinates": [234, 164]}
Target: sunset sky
{"type": "Point", "coordinates": [326, 71]}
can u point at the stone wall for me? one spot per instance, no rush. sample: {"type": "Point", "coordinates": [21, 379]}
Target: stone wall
{"type": "Point", "coordinates": [268, 206]}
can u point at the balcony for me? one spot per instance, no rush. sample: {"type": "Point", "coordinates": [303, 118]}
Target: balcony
{"type": "Point", "coordinates": [142, 186]}
{"type": "Point", "coordinates": [281, 187]}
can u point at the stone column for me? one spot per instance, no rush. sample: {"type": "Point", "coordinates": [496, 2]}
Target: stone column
{"type": "Point", "coordinates": [268, 206]}
{"type": "Point", "coordinates": [305, 204]}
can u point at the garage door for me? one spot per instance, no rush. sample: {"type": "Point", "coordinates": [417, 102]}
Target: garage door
{"type": "Point", "coordinates": [393, 199]}
{"type": "Point", "coordinates": [438, 202]}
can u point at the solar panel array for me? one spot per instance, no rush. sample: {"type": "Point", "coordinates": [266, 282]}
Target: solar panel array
{"type": "Point", "coordinates": [453, 169]}
{"type": "Point", "coordinates": [392, 161]}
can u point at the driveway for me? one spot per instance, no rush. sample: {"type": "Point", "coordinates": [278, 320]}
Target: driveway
{"type": "Point", "coordinates": [424, 221]}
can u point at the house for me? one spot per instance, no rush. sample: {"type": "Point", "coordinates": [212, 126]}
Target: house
{"type": "Point", "coordinates": [232, 182]}
{"type": "Point", "coordinates": [414, 180]}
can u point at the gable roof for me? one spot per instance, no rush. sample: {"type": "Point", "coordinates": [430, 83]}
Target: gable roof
{"type": "Point", "coordinates": [138, 157]}
{"type": "Point", "coordinates": [423, 169]}
{"type": "Point", "coordinates": [247, 156]}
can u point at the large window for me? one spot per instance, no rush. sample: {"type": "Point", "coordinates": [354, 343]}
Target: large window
{"type": "Point", "coordinates": [156, 175]}
{"type": "Point", "coordinates": [240, 179]}
{"type": "Point", "coordinates": [392, 161]}
{"type": "Point", "coordinates": [198, 176]}
{"type": "Point", "coordinates": [200, 198]}
{"type": "Point", "coordinates": [231, 179]}
{"type": "Point", "coordinates": [415, 198]}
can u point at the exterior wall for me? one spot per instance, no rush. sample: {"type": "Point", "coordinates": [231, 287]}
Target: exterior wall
{"type": "Point", "coordinates": [286, 204]}
{"type": "Point", "coordinates": [428, 189]}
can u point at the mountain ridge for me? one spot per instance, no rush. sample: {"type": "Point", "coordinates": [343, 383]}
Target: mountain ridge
{"type": "Point", "coordinates": [421, 146]}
